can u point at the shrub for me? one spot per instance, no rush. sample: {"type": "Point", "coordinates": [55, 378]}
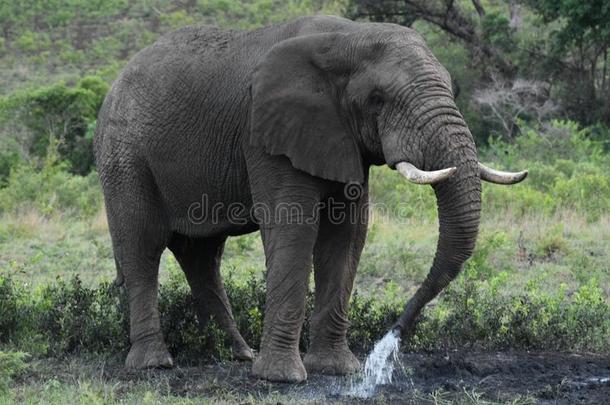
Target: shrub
{"type": "Point", "coordinates": [11, 306]}
{"type": "Point", "coordinates": [11, 365]}
{"type": "Point", "coordinates": [30, 41]}
{"type": "Point", "coordinates": [587, 193]}
{"type": "Point", "coordinates": [482, 315]}
{"type": "Point", "coordinates": [567, 171]}
{"type": "Point", "coordinates": [50, 190]}
{"type": "Point", "coordinates": [552, 243]}
{"type": "Point", "coordinates": [73, 318]}
{"type": "Point", "coordinates": [475, 311]}
{"type": "Point", "coordinates": [551, 141]}
{"type": "Point", "coordinates": [57, 116]}
{"type": "Point", "coordinates": [9, 158]}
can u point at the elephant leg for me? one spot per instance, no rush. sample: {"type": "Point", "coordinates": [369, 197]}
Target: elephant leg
{"type": "Point", "coordinates": [336, 256]}
{"type": "Point", "coordinates": [288, 249]}
{"type": "Point", "coordinates": [137, 254]}
{"type": "Point", "coordinates": [200, 261]}
{"type": "Point", "coordinates": [139, 231]}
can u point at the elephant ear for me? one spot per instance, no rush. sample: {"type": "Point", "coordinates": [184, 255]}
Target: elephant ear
{"type": "Point", "coordinates": [295, 108]}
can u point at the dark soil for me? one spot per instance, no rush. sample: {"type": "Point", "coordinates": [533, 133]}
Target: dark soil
{"type": "Point", "coordinates": [542, 377]}
{"type": "Point", "coordinates": [553, 378]}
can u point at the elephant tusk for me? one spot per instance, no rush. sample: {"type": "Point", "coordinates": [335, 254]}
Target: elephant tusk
{"type": "Point", "coordinates": [414, 175]}
{"type": "Point", "coordinates": [498, 177]}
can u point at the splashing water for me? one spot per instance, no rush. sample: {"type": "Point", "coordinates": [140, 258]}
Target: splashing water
{"type": "Point", "coordinates": [379, 366]}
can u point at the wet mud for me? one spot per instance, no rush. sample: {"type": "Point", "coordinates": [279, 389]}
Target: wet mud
{"type": "Point", "coordinates": [547, 378]}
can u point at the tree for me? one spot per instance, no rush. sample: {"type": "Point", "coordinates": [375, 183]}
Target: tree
{"type": "Point", "coordinates": [56, 116]}
{"type": "Point", "coordinates": [559, 44]}
{"type": "Point", "coordinates": [474, 26]}
{"type": "Point", "coordinates": [581, 45]}
{"type": "Point", "coordinates": [508, 103]}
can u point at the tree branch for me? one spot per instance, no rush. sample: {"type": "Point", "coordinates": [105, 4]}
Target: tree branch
{"type": "Point", "coordinates": [479, 7]}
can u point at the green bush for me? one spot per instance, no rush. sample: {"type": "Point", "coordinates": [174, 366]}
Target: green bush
{"type": "Point", "coordinates": [555, 140]}
{"type": "Point", "coordinates": [33, 41]}
{"type": "Point", "coordinates": [73, 317]}
{"type": "Point", "coordinates": [50, 190]}
{"type": "Point", "coordinates": [568, 170]}
{"type": "Point", "coordinates": [480, 313]}
{"type": "Point", "coordinates": [476, 311]}
{"type": "Point", "coordinates": [58, 116]}
{"type": "Point", "coordinates": [9, 158]}
{"type": "Point", "coordinates": [11, 305]}
{"type": "Point", "coordinates": [11, 365]}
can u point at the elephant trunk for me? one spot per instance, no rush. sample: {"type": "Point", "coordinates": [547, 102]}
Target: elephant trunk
{"type": "Point", "coordinates": [448, 144]}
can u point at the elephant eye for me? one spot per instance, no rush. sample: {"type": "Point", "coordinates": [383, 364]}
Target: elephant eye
{"type": "Point", "coordinates": [375, 101]}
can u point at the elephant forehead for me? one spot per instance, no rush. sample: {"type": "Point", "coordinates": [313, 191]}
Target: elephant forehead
{"type": "Point", "coordinates": [403, 71]}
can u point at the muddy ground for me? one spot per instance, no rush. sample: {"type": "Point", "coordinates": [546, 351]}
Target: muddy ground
{"type": "Point", "coordinates": [475, 377]}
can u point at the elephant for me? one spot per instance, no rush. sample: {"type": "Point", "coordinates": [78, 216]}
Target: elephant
{"type": "Point", "coordinates": [279, 120]}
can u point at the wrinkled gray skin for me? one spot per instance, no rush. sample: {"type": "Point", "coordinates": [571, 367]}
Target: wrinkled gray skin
{"type": "Point", "coordinates": [285, 114]}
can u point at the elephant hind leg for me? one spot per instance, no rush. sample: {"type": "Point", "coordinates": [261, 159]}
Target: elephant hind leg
{"type": "Point", "coordinates": [139, 240]}
{"type": "Point", "coordinates": [139, 230]}
{"type": "Point", "coordinates": [200, 261]}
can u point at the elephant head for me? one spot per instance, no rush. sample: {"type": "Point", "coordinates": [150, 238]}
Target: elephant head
{"type": "Point", "coordinates": [335, 103]}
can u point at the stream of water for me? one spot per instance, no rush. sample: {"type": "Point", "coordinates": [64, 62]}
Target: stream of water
{"type": "Point", "coordinates": [379, 366]}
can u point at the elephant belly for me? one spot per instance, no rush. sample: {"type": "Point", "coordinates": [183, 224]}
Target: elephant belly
{"type": "Point", "coordinates": [205, 197]}
{"type": "Point", "coordinates": [207, 215]}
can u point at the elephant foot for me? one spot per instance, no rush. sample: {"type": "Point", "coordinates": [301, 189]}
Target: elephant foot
{"type": "Point", "coordinates": [280, 367]}
{"type": "Point", "coordinates": [241, 350]}
{"type": "Point", "coordinates": [149, 354]}
{"type": "Point", "coordinates": [331, 360]}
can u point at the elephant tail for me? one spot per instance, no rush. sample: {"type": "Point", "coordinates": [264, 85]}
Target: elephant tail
{"type": "Point", "coordinates": [120, 279]}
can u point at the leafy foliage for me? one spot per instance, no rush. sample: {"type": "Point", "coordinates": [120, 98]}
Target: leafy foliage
{"type": "Point", "coordinates": [57, 116]}
{"type": "Point", "coordinates": [582, 20]}
{"type": "Point", "coordinates": [11, 364]}
{"type": "Point", "coordinates": [70, 318]}
{"type": "Point", "coordinates": [50, 190]}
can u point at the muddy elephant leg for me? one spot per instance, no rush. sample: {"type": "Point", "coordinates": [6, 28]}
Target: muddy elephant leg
{"type": "Point", "coordinates": [200, 261]}
{"type": "Point", "coordinates": [288, 249]}
{"type": "Point", "coordinates": [336, 256]}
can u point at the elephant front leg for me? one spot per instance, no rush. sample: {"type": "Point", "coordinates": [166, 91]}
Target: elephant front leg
{"type": "Point", "coordinates": [336, 255]}
{"type": "Point", "coordinates": [288, 249]}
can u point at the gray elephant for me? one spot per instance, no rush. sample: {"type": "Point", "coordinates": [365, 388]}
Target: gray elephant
{"type": "Point", "coordinates": [270, 126]}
